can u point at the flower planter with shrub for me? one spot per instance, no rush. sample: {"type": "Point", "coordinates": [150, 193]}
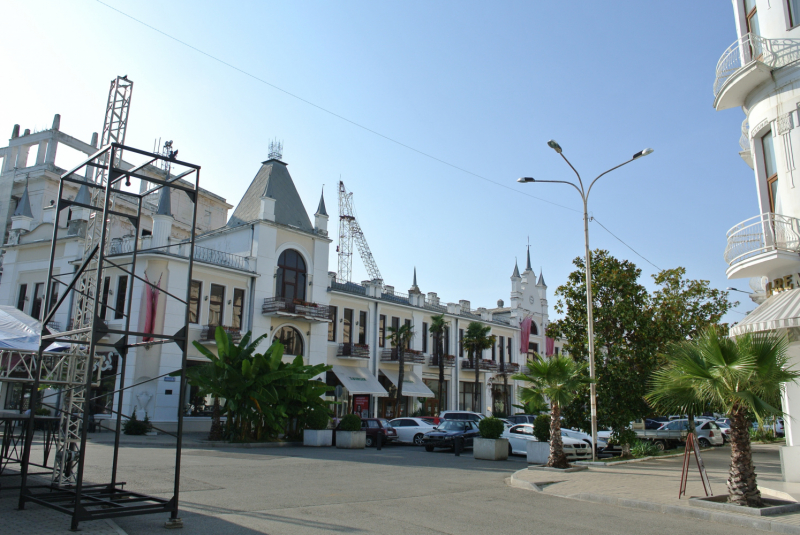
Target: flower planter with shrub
{"type": "Point", "coordinates": [349, 434]}
{"type": "Point", "coordinates": [318, 433]}
{"type": "Point", "coordinates": [489, 445]}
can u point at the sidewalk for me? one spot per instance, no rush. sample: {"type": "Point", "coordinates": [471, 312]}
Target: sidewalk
{"type": "Point", "coordinates": [653, 485]}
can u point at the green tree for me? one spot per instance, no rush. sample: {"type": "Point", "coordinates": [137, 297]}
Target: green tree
{"type": "Point", "coordinates": [437, 330]}
{"type": "Point", "coordinates": [558, 380]}
{"type": "Point", "coordinates": [476, 340]}
{"type": "Point", "coordinates": [400, 339]}
{"type": "Point", "coordinates": [741, 377]}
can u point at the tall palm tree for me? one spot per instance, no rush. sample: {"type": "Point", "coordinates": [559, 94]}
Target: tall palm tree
{"type": "Point", "coordinates": [476, 340]}
{"type": "Point", "coordinates": [739, 376]}
{"type": "Point", "coordinates": [400, 339]}
{"type": "Point", "coordinates": [557, 379]}
{"type": "Point", "coordinates": [437, 330]}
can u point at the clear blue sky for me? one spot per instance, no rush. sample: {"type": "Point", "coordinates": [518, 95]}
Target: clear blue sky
{"type": "Point", "coordinates": [480, 85]}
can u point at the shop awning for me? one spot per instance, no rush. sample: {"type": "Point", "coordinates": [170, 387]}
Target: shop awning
{"type": "Point", "coordinates": [412, 384]}
{"type": "Point", "coordinates": [778, 312]}
{"type": "Point", "coordinates": [358, 380]}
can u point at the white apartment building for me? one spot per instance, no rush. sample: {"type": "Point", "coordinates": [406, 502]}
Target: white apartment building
{"type": "Point", "coordinates": [264, 269]}
{"type": "Point", "coordinates": [760, 73]}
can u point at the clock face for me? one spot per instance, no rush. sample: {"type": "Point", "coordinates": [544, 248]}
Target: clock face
{"type": "Point", "coordinates": [531, 299]}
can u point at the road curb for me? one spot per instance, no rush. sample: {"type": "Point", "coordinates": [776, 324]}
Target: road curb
{"type": "Point", "coordinates": [246, 444]}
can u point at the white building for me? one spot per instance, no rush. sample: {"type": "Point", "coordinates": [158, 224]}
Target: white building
{"type": "Point", "coordinates": [266, 270]}
{"type": "Point", "coordinates": [760, 73]}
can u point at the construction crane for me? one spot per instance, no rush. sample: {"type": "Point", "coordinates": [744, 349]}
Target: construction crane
{"type": "Point", "coordinates": [350, 231]}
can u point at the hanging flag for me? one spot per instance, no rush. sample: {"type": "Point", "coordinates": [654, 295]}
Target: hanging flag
{"type": "Point", "coordinates": [150, 303]}
{"type": "Point", "coordinates": [551, 344]}
{"type": "Point", "coordinates": [524, 335]}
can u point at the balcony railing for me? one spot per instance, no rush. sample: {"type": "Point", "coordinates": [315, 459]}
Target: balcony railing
{"type": "Point", "coordinates": [410, 356]}
{"type": "Point", "coordinates": [201, 254]}
{"type": "Point", "coordinates": [449, 361]}
{"type": "Point", "coordinates": [761, 234]}
{"type": "Point", "coordinates": [483, 365]}
{"type": "Point", "coordinates": [298, 307]}
{"type": "Point", "coordinates": [744, 139]}
{"type": "Point", "coordinates": [508, 368]}
{"type": "Point", "coordinates": [209, 333]}
{"type": "Point", "coordinates": [750, 47]}
{"type": "Point", "coordinates": [353, 351]}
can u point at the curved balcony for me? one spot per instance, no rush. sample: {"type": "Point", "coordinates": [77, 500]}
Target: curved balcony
{"type": "Point", "coordinates": [410, 356]}
{"type": "Point", "coordinates": [766, 237]}
{"type": "Point", "coordinates": [353, 351]}
{"type": "Point", "coordinates": [747, 63]}
{"type": "Point", "coordinates": [281, 306]}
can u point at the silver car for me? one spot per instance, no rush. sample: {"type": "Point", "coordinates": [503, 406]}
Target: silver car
{"type": "Point", "coordinates": [708, 432]}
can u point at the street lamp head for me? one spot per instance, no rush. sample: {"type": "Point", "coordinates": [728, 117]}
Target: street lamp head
{"type": "Point", "coordinates": [734, 289]}
{"type": "Point", "coordinates": [641, 153]}
{"type": "Point", "coordinates": [526, 179]}
{"type": "Point", "coordinates": [553, 144]}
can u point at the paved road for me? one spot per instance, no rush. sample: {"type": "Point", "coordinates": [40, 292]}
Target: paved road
{"type": "Point", "coordinates": [401, 489]}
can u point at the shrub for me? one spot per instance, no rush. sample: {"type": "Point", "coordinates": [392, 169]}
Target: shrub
{"type": "Point", "coordinates": [318, 419]}
{"type": "Point", "coordinates": [134, 426]}
{"type": "Point", "coordinates": [351, 422]}
{"type": "Point", "coordinates": [42, 411]}
{"type": "Point", "coordinates": [541, 428]}
{"type": "Point", "coordinates": [644, 448]}
{"type": "Point", "coordinates": [491, 428]}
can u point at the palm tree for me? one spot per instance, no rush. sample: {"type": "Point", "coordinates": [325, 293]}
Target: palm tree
{"type": "Point", "coordinates": [476, 340]}
{"type": "Point", "coordinates": [400, 338]}
{"type": "Point", "coordinates": [557, 379]}
{"type": "Point", "coordinates": [437, 330]}
{"type": "Point", "coordinates": [740, 376]}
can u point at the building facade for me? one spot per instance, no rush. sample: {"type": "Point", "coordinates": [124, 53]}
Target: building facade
{"type": "Point", "coordinates": [760, 73]}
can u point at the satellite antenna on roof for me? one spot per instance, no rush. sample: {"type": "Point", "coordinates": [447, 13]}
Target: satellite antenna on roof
{"type": "Point", "coordinates": [275, 149]}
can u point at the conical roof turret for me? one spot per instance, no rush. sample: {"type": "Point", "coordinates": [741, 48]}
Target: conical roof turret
{"type": "Point", "coordinates": [516, 271]}
{"type": "Point", "coordinates": [164, 202]}
{"type": "Point", "coordinates": [321, 208]}
{"type": "Point", "coordinates": [24, 205]}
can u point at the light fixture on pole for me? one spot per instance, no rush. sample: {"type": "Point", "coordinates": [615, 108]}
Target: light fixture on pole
{"type": "Point", "coordinates": [584, 193]}
{"type": "Point", "coordinates": [740, 291]}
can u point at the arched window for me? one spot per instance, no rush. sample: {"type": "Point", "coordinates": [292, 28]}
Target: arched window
{"type": "Point", "coordinates": [291, 340]}
{"type": "Point", "coordinates": [534, 329]}
{"type": "Point", "coordinates": [533, 347]}
{"type": "Point", "coordinates": [291, 283]}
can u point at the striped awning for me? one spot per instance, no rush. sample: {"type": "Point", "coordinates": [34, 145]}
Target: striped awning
{"type": "Point", "coordinates": [778, 312]}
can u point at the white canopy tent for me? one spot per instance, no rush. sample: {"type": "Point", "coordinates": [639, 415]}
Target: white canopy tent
{"type": "Point", "coordinates": [20, 331]}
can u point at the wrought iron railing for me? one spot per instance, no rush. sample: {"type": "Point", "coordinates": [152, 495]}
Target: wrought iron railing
{"type": "Point", "coordinates": [209, 333]}
{"type": "Point", "coordinates": [750, 47]}
{"type": "Point", "coordinates": [483, 365]}
{"type": "Point", "coordinates": [437, 306]}
{"type": "Point", "coordinates": [744, 139]}
{"type": "Point", "coordinates": [409, 356]}
{"type": "Point", "coordinates": [349, 287]}
{"type": "Point", "coordinates": [508, 368]}
{"type": "Point", "coordinates": [274, 305]}
{"type": "Point", "coordinates": [201, 254]}
{"type": "Point", "coordinates": [448, 360]}
{"type": "Point", "coordinates": [396, 297]}
{"type": "Point", "coordinates": [761, 234]}
{"type": "Point", "coordinates": [360, 351]}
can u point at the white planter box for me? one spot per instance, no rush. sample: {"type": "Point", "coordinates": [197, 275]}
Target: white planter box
{"type": "Point", "coordinates": [352, 440]}
{"type": "Point", "coordinates": [490, 449]}
{"type": "Point", "coordinates": [318, 437]}
{"type": "Point", "coordinates": [538, 452]}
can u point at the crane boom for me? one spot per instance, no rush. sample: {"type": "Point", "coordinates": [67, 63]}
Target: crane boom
{"type": "Point", "coordinates": [349, 232]}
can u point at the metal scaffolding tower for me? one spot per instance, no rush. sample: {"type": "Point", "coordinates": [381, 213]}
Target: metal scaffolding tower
{"type": "Point", "coordinates": [350, 231]}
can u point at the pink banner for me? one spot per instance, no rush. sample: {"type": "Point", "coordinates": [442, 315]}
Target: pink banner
{"type": "Point", "coordinates": [550, 346]}
{"type": "Point", "coordinates": [524, 335]}
{"type": "Point", "coordinates": [150, 303]}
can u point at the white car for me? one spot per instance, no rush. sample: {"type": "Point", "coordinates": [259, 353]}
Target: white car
{"type": "Point", "coordinates": [519, 436]}
{"type": "Point", "coordinates": [602, 443]}
{"type": "Point", "coordinates": [411, 430]}
{"type": "Point", "coordinates": [461, 415]}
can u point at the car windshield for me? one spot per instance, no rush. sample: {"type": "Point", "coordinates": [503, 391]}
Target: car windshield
{"type": "Point", "coordinates": [723, 425]}
{"type": "Point", "coordinates": [384, 422]}
{"type": "Point", "coordinates": [451, 425]}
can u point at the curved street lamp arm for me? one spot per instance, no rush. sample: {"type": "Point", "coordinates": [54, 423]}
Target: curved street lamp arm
{"type": "Point", "coordinates": [605, 173]}
{"type": "Point", "coordinates": [580, 192]}
{"type": "Point", "coordinates": [575, 170]}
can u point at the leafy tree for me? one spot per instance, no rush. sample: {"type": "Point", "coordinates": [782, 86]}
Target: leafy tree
{"type": "Point", "coordinates": [437, 330]}
{"type": "Point", "coordinates": [400, 339]}
{"type": "Point", "coordinates": [741, 377]}
{"type": "Point", "coordinates": [476, 341]}
{"type": "Point", "coordinates": [556, 379]}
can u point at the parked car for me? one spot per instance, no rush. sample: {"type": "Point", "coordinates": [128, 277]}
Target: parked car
{"type": "Point", "coordinates": [373, 426]}
{"type": "Point", "coordinates": [411, 430]}
{"type": "Point", "coordinates": [725, 429]}
{"type": "Point", "coordinates": [461, 415]}
{"type": "Point", "coordinates": [708, 433]}
{"type": "Point", "coordinates": [444, 435]}
{"type": "Point", "coordinates": [654, 423]}
{"type": "Point", "coordinates": [519, 436]}
{"type": "Point", "coordinates": [522, 418]}
{"type": "Point", "coordinates": [602, 443]}
{"type": "Point", "coordinates": [433, 420]}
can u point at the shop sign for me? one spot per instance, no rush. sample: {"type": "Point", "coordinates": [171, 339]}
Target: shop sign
{"type": "Point", "coordinates": [787, 282]}
{"type": "Point", "coordinates": [361, 405]}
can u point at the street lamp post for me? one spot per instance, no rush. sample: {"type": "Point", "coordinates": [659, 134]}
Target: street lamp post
{"type": "Point", "coordinates": [584, 193]}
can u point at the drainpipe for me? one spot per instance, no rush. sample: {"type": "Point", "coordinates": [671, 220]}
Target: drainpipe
{"type": "Point", "coordinates": [375, 335]}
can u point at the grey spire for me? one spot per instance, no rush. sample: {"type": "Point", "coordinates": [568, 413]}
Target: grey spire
{"type": "Point", "coordinates": [541, 279]}
{"type": "Point", "coordinates": [415, 275]}
{"type": "Point", "coordinates": [414, 288]}
{"type": "Point", "coordinates": [528, 265]}
{"type": "Point", "coordinates": [516, 271]}
{"type": "Point", "coordinates": [83, 196]}
{"type": "Point", "coordinates": [24, 205]}
{"type": "Point", "coordinates": [164, 202]}
{"type": "Point", "coordinates": [321, 208]}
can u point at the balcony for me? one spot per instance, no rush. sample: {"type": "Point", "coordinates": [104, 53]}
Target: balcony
{"type": "Point", "coordinates": [509, 368]}
{"type": "Point", "coordinates": [769, 237]}
{"type": "Point", "coordinates": [209, 334]}
{"type": "Point", "coordinates": [449, 361]}
{"type": "Point", "coordinates": [748, 63]}
{"type": "Point", "coordinates": [410, 356]}
{"type": "Point", "coordinates": [484, 365]}
{"type": "Point", "coordinates": [281, 306]}
{"type": "Point", "coordinates": [120, 246]}
{"type": "Point", "coordinates": [353, 351]}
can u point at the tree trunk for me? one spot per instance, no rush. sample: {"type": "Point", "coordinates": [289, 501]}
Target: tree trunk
{"type": "Point", "coordinates": [401, 361]}
{"type": "Point", "coordinates": [557, 457]}
{"type": "Point", "coordinates": [742, 487]}
{"type": "Point", "coordinates": [216, 426]}
{"type": "Point", "coordinates": [476, 391]}
{"type": "Point", "coordinates": [441, 371]}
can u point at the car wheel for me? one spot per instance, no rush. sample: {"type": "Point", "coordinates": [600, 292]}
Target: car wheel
{"type": "Point", "coordinates": [510, 451]}
{"type": "Point", "coordinates": [660, 445]}
{"type": "Point", "coordinates": [418, 439]}
{"type": "Point", "coordinates": [428, 448]}
{"type": "Point", "coordinates": [370, 442]}
{"type": "Point", "coordinates": [704, 443]}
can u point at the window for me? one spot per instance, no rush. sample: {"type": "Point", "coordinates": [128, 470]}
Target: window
{"type": "Point", "coordinates": [534, 328]}
{"type": "Point", "coordinates": [500, 341]}
{"type": "Point", "coordinates": [424, 337]}
{"type": "Point", "coordinates": [195, 294]}
{"type": "Point", "coordinates": [446, 339]}
{"type": "Point", "coordinates": [466, 396]}
{"type": "Point", "coordinates": [104, 299]}
{"type": "Point", "coordinates": [122, 292]}
{"type": "Point", "coordinates": [494, 348]}
{"type": "Point", "coordinates": [362, 327]}
{"type": "Point", "coordinates": [555, 350]}
{"type": "Point", "coordinates": [291, 340]}
{"type": "Point", "coordinates": [771, 171]}
{"type": "Point", "coordinates": [752, 16]}
{"type": "Point", "coordinates": [509, 350]}
{"type": "Point", "coordinates": [216, 305]}
{"type": "Point", "coordinates": [794, 12]}
{"type": "Point", "coordinates": [533, 349]}
{"type": "Point", "coordinates": [38, 296]}
{"type": "Point", "coordinates": [461, 342]}
{"type": "Point", "coordinates": [23, 294]}
{"type": "Point", "coordinates": [347, 331]}
{"type": "Point", "coordinates": [291, 280]}
{"type": "Point", "coordinates": [332, 324]}
{"type": "Point", "coordinates": [395, 323]}
{"type": "Point", "coordinates": [382, 333]}
{"type": "Point", "coordinates": [238, 308]}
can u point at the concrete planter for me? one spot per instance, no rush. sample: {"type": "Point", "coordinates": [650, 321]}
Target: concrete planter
{"type": "Point", "coordinates": [351, 440]}
{"type": "Point", "coordinates": [772, 507]}
{"type": "Point", "coordinates": [538, 452]}
{"type": "Point", "coordinates": [490, 449]}
{"type": "Point", "coordinates": [318, 437]}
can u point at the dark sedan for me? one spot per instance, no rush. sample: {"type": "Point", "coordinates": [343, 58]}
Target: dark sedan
{"type": "Point", "coordinates": [444, 435]}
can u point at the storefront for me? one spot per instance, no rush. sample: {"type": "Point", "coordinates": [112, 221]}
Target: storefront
{"type": "Point", "coordinates": [432, 407]}
{"type": "Point", "coordinates": [414, 389]}
{"type": "Point", "coordinates": [355, 390]}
